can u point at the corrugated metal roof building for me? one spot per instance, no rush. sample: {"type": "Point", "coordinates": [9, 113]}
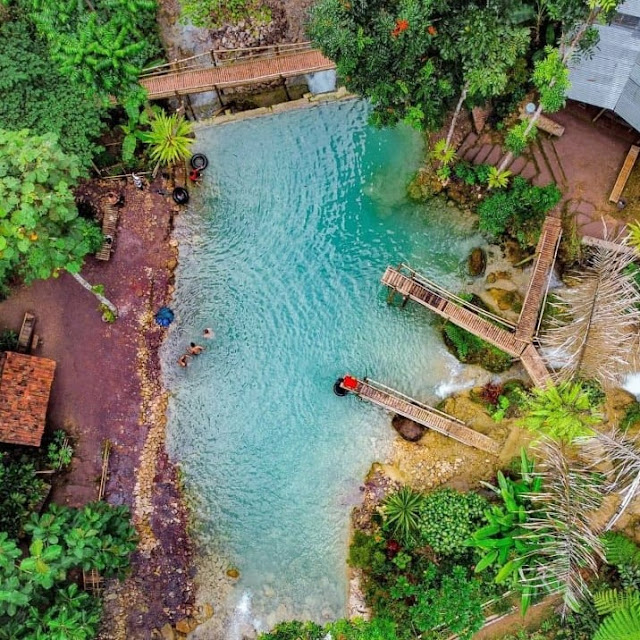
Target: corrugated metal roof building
{"type": "Point", "coordinates": [611, 77]}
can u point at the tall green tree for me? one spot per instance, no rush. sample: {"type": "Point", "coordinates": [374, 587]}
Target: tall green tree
{"type": "Point", "coordinates": [36, 96]}
{"type": "Point", "coordinates": [484, 43]}
{"type": "Point", "coordinates": [41, 232]}
{"type": "Point", "coordinates": [97, 43]}
{"type": "Point", "coordinates": [387, 51]}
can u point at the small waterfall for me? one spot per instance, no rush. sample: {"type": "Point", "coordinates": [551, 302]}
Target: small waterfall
{"type": "Point", "coordinates": [321, 81]}
{"type": "Point", "coordinates": [241, 622]}
{"type": "Point", "coordinates": [632, 384]}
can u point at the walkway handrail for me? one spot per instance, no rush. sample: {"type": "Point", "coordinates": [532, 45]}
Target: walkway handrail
{"type": "Point", "coordinates": [222, 57]}
{"type": "Point", "coordinates": [452, 297]}
{"type": "Point", "coordinates": [395, 392]}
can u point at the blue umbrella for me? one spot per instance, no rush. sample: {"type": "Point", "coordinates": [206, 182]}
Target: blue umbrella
{"type": "Point", "coordinates": [164, 316]}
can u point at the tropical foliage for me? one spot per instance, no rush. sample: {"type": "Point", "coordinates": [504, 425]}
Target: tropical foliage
{"type": "Point", "coordinates": [101, 44]}
{"type": "Point", "coordinates": [38, 596]}
{"type": "Point", "coordinates": [623, 614]}
{"type": "Point", "coordinates": [594, 330]}
{"type": "Point", "coordinates": [169, 139]}
{"type": "Point", "coordinates": [37, 97]}
{"type": "Point", "coordinates": [40, 230]}
{"type": "Point", "coordinates": [562, 412]}
{"type": "Point", "coordinates": [517, 211]}
{"type": "Point", "coordinates": [402, 513]}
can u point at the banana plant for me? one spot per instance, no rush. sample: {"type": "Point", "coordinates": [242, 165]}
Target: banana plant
{"type": "Point", "coordinates": [500, 543]}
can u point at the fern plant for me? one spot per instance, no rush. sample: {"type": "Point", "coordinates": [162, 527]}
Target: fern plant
{"type": "Point", "coordinates": [443, 153]}
{"type": "Point", "coordinates": [562, 412]}
{"type": "Point", "coordinates": [620, 550]}
{"type": "Point", "coordinates": [169, 139]}
{"type": "Point", "coordinates": [498, 179]}
{"type": "Point", "coordinates": [634, 235]}
{"type": "Point", "coordinates": [622, 609]}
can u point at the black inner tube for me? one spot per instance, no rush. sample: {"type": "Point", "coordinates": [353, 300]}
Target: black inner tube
{"type": "Point", "coordinates": [338, 389]}
{"type": "Point", "coordinates": [199, 161]}
{"type": "Point", "coordinates": [181, 195]}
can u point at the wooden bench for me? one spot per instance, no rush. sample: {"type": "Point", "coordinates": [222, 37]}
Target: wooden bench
{"type": "Point", "coordinates": [109, 224]}
{"type": "Point", "coordinates": [544, 124]}
{"type": "Point", "coordinates": [624, 174]}
{"type": "Point", "coordinates": [26, 333]}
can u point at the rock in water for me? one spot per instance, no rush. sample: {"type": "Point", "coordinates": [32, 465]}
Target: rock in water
{"type": "Point", "coordinates": [408, 429]}
{"type": "Point", "coordinates": [477, 262]}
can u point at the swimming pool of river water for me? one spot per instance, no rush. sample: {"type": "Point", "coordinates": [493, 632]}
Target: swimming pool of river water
{"type": "Point", "coordinates": [281, 253]}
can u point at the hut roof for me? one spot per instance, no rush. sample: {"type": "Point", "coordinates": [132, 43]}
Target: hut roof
{"type": "Point", "coordinates": [25, 385]}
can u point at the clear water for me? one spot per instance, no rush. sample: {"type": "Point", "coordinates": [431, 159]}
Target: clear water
{"type": "Point", "coordinates": [282, 254]}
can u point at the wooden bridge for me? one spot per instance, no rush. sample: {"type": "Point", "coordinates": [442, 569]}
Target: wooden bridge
{"type": "Point", "coordinates": [516, 340]}
{"type": "Point", "coordinates": [546, 252]}
{"type": "Point", "coordinates": [423, 414]}
{"type": "Point", "coordinates": [222, 68]}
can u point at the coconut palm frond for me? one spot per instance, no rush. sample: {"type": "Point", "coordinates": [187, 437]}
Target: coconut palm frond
{"type": "Point", "coordinates": [619, 455]}
{"type": "Point", "coordinates": [594, 330]}
{"type": "Point", "coordinates": [560, 526]}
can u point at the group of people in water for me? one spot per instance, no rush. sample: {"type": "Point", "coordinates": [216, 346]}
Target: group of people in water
{"type": "Point", "coordinates": [194, 349]}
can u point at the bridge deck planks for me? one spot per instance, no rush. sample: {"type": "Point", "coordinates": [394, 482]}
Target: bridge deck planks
{"type": "Point", "coordinates": [426, 416]}
{"type": "Point", "coordinates": [233, 75]}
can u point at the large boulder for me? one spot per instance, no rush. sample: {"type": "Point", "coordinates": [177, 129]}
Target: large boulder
{"type": "Point", "coordinates": [408, 429]}
{"type": "Point", "coordinates": [477, 262]}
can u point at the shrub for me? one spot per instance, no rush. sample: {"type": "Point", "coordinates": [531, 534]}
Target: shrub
{"type": "Point", "coordinates": [213, 14]}
{"type": "Point", "coordinates": [59, 451]}
{"type": "Point", "coordinates": [473, 350]}
{"type": "Point", "coordinates": [631, 416]}
{"type": "Point", "coordinates": [8, 340]}
{"type": "Point", "coordinates": [20, 491]}
{"type": "Point", "coordinates": [366, 552]}
{"type": "Point", "coordinates": [518, 211]}
{"type": "Point", "coordinates": [448, 518]}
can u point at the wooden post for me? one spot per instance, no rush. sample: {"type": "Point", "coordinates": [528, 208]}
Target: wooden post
{"type": "Point", "coordinates": [286, 90]}
{"type": "Point", "coordinates": [390, 295]}
{"type": "Point", "coordinates": [219, 94]}
{"type": "Point", "coordinates": [405, 299]}
{"type": "Point", "coordinates": [193, 113]}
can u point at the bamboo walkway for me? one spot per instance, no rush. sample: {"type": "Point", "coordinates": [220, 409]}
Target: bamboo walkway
{"type": "Point", "coordinates": [516, 340]}
{"type": "Point", "coordinates": [423, 414]}
{"type": "Point", "coordinates": [429, 295]}
{"type": "Point", "coordinates": [546, 252]}
{"type": "Point", "coordinates": [219, 69]}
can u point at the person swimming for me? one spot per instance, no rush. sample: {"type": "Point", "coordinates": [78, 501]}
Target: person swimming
{"type": "Point", "coordinates": [183, 360]}
{"type": "Point", "coordinates": [207, 333]}
{"type": "Point", "coordinates": [195, 349]}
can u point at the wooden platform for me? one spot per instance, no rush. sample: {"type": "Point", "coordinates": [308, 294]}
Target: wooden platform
{"type": "Point", "coordinates": [272, 64]}
{"type": "Point", "coordinates": [544, 123]}
{"type": "Point", "coordinates": [109, 225]}
{"type": "Point", "coordinates": [429, 295]}
{"type": "Point", "coordinates": [538, 283]}
{"type": "Point", "coordinates": [624, 174]}
{"type": "Point", "coordinates": [425, 415]}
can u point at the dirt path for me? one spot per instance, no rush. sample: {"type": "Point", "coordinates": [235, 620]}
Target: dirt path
{"type": "Point", "coordinates": [107, 386]}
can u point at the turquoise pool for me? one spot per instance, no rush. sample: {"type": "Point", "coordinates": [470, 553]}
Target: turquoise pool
{"type": "Point", "coordinates": [282, 254]}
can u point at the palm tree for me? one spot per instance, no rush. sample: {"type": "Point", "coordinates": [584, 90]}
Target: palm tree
{"type": "Point", "coordinates": [402, 513]}
{"type": "Point", "coordinates": [170, 139]}
{"type": "Point", "coordinates": [594, 333]}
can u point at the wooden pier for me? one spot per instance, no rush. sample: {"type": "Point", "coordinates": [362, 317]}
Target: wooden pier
{"type": "Point", "coordinates": [423, 414]}
{"type": "Point", "coordinates": [546, 253]}
{"type": "Point", "coordinates": [514, 339]}
{"type": "Point", "coordinates": [417, 288]}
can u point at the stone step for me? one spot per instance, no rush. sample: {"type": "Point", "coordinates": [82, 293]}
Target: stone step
{"type": "Point", "coordinates": [518, 165]}
{"type": "Point", "coordinates": [494, 157]}
{"type": "Point", "coordinates": [467, 143]}
{"type": "Point", "coordinates": [544, 176]}
{"type": "Point", "coordinates": [530, 171]}
{"type": "Point", "coordinates": [551, 156]}
{"type": "Point", "coordinates": [482, 155]}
